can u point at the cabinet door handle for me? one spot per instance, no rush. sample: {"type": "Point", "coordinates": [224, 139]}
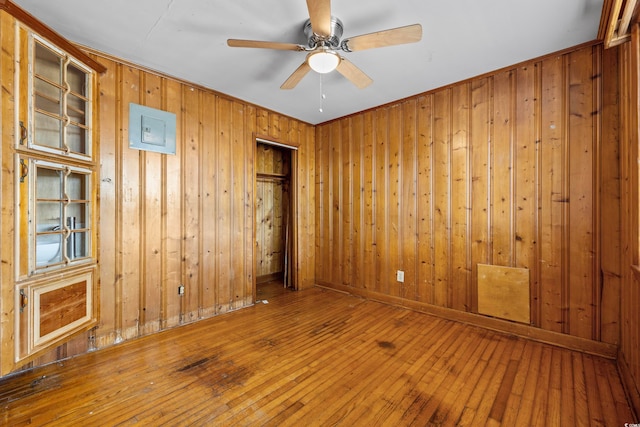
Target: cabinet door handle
{"type": "Point", "coordinates": [24, 170]}
{"type": "Point", "coordinates": [23, 133]}
{"type": "Point", "coordinates": [24, 300]}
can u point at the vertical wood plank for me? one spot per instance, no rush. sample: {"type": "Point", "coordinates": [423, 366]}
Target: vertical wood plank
{"type": "Point", "coordinates": [409, 200]}
{"type": "Point", "coordinates": [306, 201]}
{"type": "Point", "coordinates": [394, 225]}
{"type": "Point", "coordinates": [325, 233]}
{"type": "Point", "coordinates": [152, 186]}
{"type": "Point", "coordinates": [208, 200]}
{"type": "Point", "coordinates": [369, 205]}
{"type": "Point", "coordinates": [191, 191]}
{"type": "Point", "coordinates": [260, 227]}
{"type": "Point", "coordinates": [581, 151]}
{"type": "Point", "coordinates": [552, 197]}
{"type": "Point", "coordinates": [381, 221]}
{"type": "Point", "coordinates": [336, 227]}
{"type": "Point", "coordinates": [502, 229]}
{"type": "Point", "coordinates": [224, 203]}
{"type": "Point", "coordinates": [442, 198]}
{"type": "Point", "coordinates": [345, 201]}
{"type": "Point", "coordinates": [129, 208]}
{"type": "Point", "coordinates": [172, 213]}
{"type": "Point", "coordinates": [480, 135]}
{"type": "Point", "coordinates": [459, 199]}
{"type": "Point", "coordinates": [425, 255]}
{"type": "Point", "coordinates": [238, 213]}
{"type": "Point", "coordinates": [107, 210]}
{"type": "Point", "coordinates": [525, 194]}
{"type": "Point", "coordinates": [612, 267]}
{"type": "Point", "coordinates": [7, 199]}
{"type": "Point", "coordinates": [358, 195]}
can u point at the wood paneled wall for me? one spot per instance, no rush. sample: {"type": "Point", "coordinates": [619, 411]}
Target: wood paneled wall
{"type": "Point", "coordinates": [167, 220]}
{"type": "Point", "coordinates": [629, 354]}
{"type": "Point", "coordinates": [184, 219]}
{"type": "Point", "coordinates": [518, 168]}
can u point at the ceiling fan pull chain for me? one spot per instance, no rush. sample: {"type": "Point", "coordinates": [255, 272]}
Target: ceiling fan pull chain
{"type": "Point", "coordinates": [322, 96]}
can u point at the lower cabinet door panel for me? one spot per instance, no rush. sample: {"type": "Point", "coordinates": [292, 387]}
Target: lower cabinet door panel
{"type": "Point", "coordinates": [54, 310]}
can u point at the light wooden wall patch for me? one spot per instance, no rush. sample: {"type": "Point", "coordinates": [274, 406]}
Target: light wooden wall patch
{"type": "Point", "coordinates": [504, 292]}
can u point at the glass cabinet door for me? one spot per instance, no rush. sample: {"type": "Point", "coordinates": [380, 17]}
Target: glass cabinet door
{"type": "Point", "coordinates": [61, 213]}
{"type": "Point", "coordinates": [61, 93]}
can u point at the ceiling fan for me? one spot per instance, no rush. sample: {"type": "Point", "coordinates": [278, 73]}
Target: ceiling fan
{"type": "Point", "coordinates": [323, 32]}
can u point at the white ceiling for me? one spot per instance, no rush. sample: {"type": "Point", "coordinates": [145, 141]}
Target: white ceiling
{"type": "Point", "coordinates": [187, 39]}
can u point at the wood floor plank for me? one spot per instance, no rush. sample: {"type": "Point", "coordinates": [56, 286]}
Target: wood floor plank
{"type": "Point", "coordinates": [555, 389]}
{"type": "Point", "coordinates": [495, 371]}
{"type": "Point", "coordinates": [592, 387]}
{"type": "Point", "coordinates": [320, 357]}
{"type": "Point", "coordinates": [580, 391]}
{"type": "Point", "coordinates": [489, 359]}
{"type": "Point", "coordinates": [568, 405]}
{"type": "Point", "coordinates": [540, 400]}
{"type": "Point", "coordinates": [527, 395]}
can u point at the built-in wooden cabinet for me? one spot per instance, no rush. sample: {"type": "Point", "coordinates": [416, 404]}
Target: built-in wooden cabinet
{"type": "Point", "coordinates": [55, 182]}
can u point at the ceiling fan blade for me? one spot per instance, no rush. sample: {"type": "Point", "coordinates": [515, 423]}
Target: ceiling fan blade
{"type": "Point", "coordinates": [320, 16]}
{"type": "Point", "coordinates": [296, 76]}
{"type": "Point", "coordinates": [353, 73]}
{"type": "Point", "coordinates": [264, 45]}
{"type": "Point", "coordinates": [395, 36]}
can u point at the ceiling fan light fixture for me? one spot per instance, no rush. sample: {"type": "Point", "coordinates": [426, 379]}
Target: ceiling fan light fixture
{"type": "Point", "coordinates": [323, 61]}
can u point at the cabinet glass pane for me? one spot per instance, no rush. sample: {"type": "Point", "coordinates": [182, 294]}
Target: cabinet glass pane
{"type": "Point", "coordinates": [78, 186]}
{"type": "Point", "coordinates": [77, 80]}
{"type": "Point", "coordinates": [48, 64]}
{"type": "Point", "coordinates": [47, 131]}
{"type": "Point", "coordinates": [48, 249]}
{"type": "Point", "coordinates": [77, 139]}
{"type": "Point", "coordinates": [49, 183]}
{"type": "Point", "coordinates": [77, 214]}
{"type": "Point", "coordinates": [76, 109]}
{"type": "Point", "coordinates": [78, 245]}
{"type": "Point", "coordinates": [48, 216]}
{"type": "Point", "coordinates": [48, 97]}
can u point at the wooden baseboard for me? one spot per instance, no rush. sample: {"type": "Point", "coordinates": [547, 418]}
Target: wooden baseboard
{"type": "Point", "coordinates": [610, 351]}
{"type": "Point", "coordinates": [629, 384]}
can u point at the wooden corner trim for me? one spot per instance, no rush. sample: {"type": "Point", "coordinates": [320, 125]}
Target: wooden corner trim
{"type": "Point", "coordinates": [616, 20]}
{"type": "Point", "coordinates": [45, 31]}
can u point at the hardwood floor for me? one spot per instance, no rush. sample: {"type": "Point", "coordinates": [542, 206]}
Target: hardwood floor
{"type": "Point", "coordinates": [320, 357]}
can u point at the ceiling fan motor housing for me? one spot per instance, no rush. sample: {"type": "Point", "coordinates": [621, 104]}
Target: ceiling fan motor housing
{"type": "Point", "coordinates": [331, 42]}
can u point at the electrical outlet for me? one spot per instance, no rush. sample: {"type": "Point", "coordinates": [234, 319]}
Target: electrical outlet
{"type": "Point", "coordinates": [181, 290]}
{"type": "Point", "coordinates": [400, 276]}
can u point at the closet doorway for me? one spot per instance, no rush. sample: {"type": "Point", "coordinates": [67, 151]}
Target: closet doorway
{"type": "Point", "coordinates": [275, 222]}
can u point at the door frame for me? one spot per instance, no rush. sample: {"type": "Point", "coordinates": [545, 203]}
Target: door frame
{"type": "Point", "coordinates": [293, 189]}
